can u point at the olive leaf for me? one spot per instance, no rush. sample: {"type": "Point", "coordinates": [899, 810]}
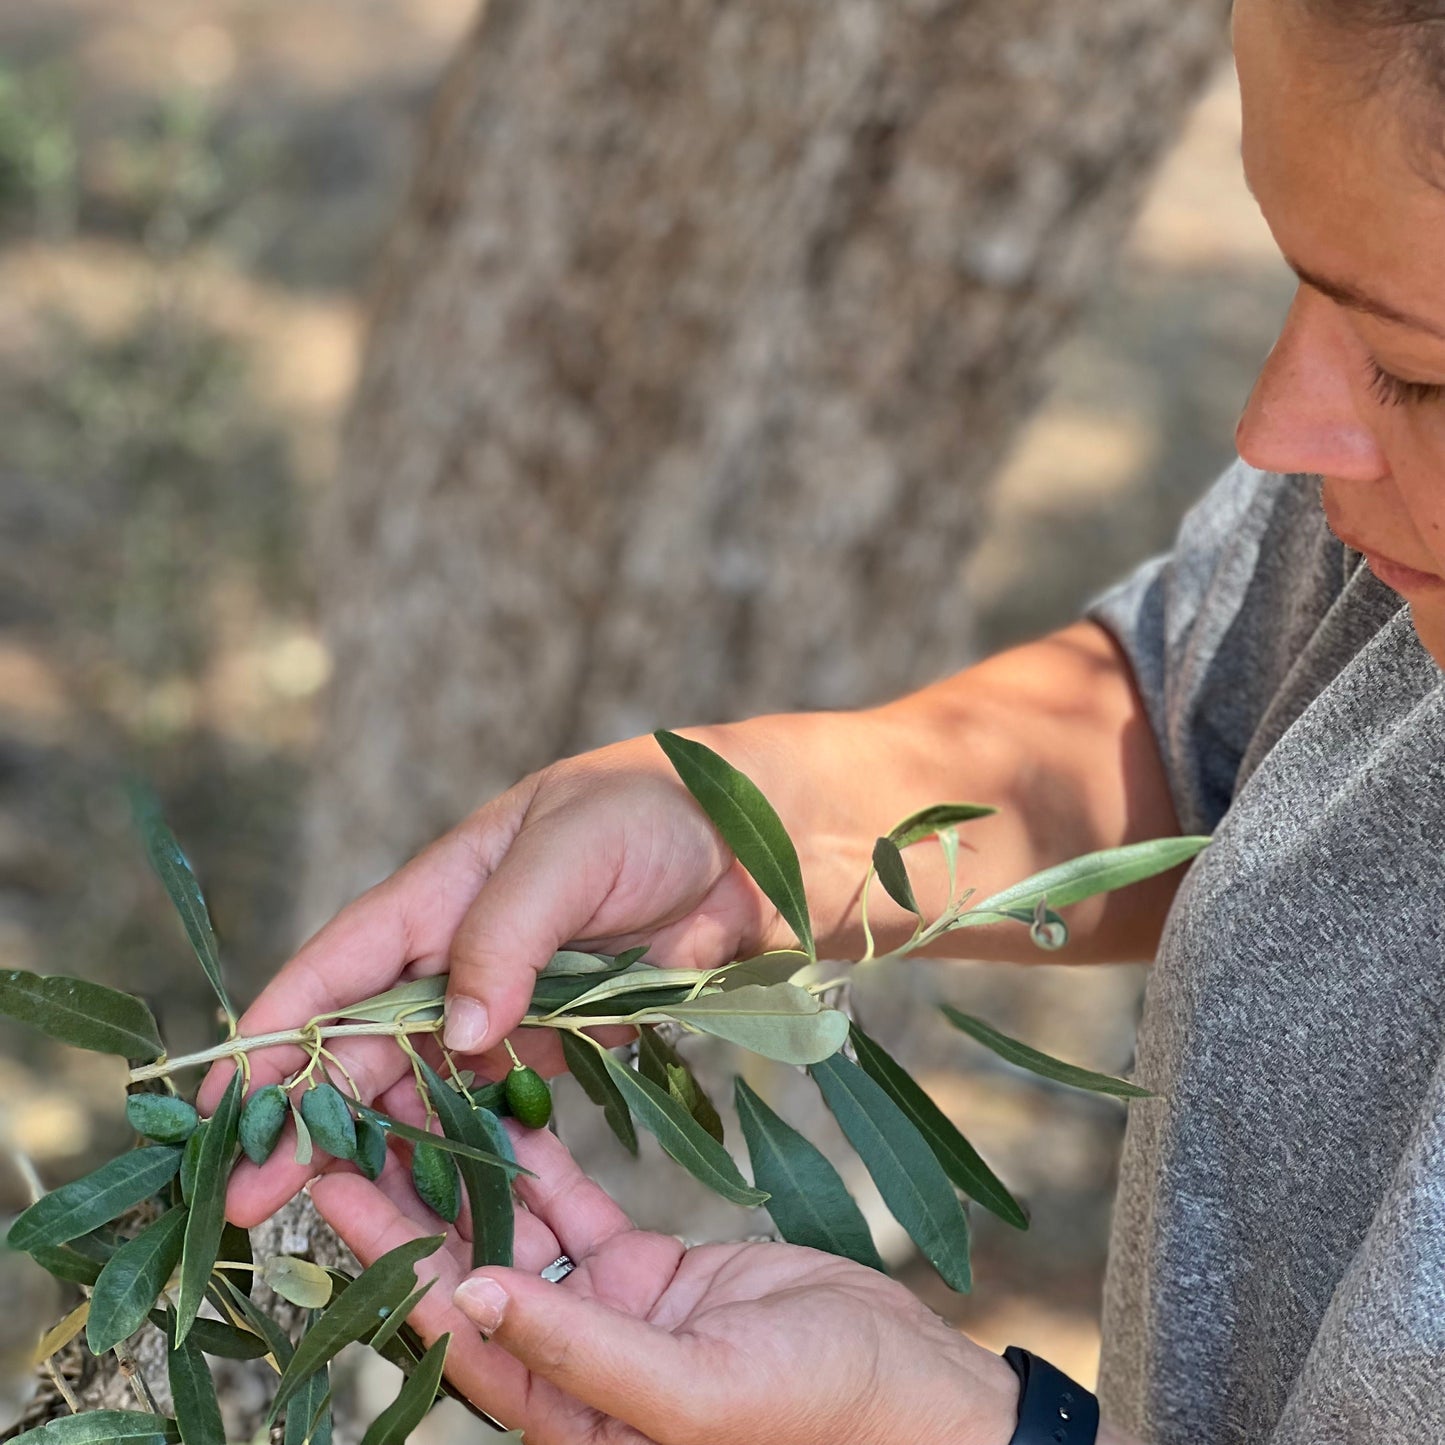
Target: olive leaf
{"type": "Point", "coordinates": [198, 1412]}
{"type": "Point", "coordinates": [78, 1262]}
{"type": "Point", "coordinates": [642, 981]}
{"type": "Point", "coordinates": [1088, 875]}
{"type": "Point", "coordinates": [893, 875]}
{"type": "Point", "coordinates": [932, 820]}
{"type": "Point", "coordinates": [58, 1336]}
{"type": "Point", "coordinates": [780, 1021]}
{"type": "Point", "coordinates": [279, 1346]}
{"type": "Point", "coordinates": [411, 999]}
{"type": "Point", "coordinates": [298, 1281]}
{"type": "Point", "coordinates": [77, 1012]}
{"type": "Point", "coordinates": [133, 1277]}
{"type": "Point", "coordinates": [236, 1250]}
{"type": "Point", "coordinates": [570, 963]}
{"type": "Point", "coordinates": [960, 1160]}
{"type": "Point", "coordinates": [103, 1427]}
{"type": "Point", "coordinates": [806, 1197]}
{"type": "Point", "coordinates": [413, 1135]}
{"type": "Point", "coordinates": [191, 1159]}
{"type": "Point", "coordinates": [207, 1217]}
{"type": "Point", "coordinates": [596, 1082]}
{"type": "Point", "coordinates": [77, 1208]}
{"type": "Point", "coordinates": [749, 827]}
{"type": "Point", "coordinates": [216, 1337]}
{"type": "Point", "coordinates": [396, 1318]}
{"type": "Point", "coordinates": [395, 1424]}
{"type": "Point", "coordinates": [305, 1150]}
{"type": "Point", "coordinates": [779, 966]}
{"type": "Point", "coordinates": [180, 883]}
{"type": "Point", "coordinates": [1038, 1063]}
{"type": "Point", "coordinates": [909, 1178]}
{"type": "Point", "coordinates": [658, 1061]}
{"type": "Point", "coordinates": [681, 1135]}
{"type": "Point", "coordinates": [489, 1191]}
{"type": "Point", "coordinates": [355, 1313]}
{"type": "Point", "coordinates": [308, 1416]}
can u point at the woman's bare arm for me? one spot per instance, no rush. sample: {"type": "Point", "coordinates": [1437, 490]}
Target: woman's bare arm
{"type": "Point", "coordinates": [1053, 733]}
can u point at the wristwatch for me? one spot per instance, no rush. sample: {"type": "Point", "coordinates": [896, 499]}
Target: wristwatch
{"type": "Point", "coordinates": [1053, 1409]}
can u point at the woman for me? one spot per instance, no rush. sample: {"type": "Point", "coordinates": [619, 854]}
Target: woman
{"type": "Point", "coordinates": [1278, 1264]}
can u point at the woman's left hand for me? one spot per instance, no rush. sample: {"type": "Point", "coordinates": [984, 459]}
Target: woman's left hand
{"type": "Point", "coordinates": [648, 1341]}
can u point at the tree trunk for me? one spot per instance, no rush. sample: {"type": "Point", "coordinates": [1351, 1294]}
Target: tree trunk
{"type": "Point", "coordinates": [701, 334]}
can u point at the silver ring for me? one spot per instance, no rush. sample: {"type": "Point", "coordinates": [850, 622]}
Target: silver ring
{"type": "Point", "coordinates": [559, 1269]}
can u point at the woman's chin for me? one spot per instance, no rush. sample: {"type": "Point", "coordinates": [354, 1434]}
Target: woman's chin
{"type": "Point", "coordinates": [1430, 628]}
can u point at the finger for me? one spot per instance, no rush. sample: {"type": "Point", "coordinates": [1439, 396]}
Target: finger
{"type": "Point", "coordinates": [541, 895]}
{"type": "Point", "coordinates": [580, 1213]}
{"type": "Point", "coordinates": [615, 1362]}
{"type": "Point", "coordinates": [410, 916]}
{"type": "Point", "coordinates": [371, 1223]}
{"type": "Point", "coordinates": [535, 1246]}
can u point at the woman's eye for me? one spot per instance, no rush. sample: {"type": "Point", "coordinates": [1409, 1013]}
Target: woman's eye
{"type": "Point", "coordinates": [1391, 390]}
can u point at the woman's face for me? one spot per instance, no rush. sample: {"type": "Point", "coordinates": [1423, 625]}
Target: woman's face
{"type": "Point", "coordinates": [1354, 388]}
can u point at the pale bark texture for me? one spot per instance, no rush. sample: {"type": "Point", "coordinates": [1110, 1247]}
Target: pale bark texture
{"type": "Point", "coordinates": [693, 353]}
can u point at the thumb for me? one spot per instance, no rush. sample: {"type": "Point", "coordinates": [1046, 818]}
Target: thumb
{"type": "Point", "coordinates": [610, 1360]}
{"type": "Point", "coordinates": [543, 893]}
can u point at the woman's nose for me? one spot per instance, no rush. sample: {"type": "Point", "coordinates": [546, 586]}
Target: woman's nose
{"type": "Point", "coordinates": [1303, 413]}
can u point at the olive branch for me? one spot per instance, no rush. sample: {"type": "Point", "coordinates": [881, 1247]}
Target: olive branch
{"type": "Point", "coordinates": [188, 1273]}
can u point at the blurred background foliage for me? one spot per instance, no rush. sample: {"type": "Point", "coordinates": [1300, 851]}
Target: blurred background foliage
{"type": "Point", "coordinates": [190, 194]}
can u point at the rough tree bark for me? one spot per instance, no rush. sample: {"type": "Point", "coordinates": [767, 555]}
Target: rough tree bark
{"type": "Point", "coordinates": [693, 352]}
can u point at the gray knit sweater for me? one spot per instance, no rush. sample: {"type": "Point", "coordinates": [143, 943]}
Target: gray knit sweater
{"type": "Point", "coordinates": [1277, 1269]}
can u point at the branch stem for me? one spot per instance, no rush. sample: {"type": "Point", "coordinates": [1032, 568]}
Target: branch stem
{"type": "Point", "coordinates": [301, 1038]}
{"type": "Point", "coordinates": [313, 1036]}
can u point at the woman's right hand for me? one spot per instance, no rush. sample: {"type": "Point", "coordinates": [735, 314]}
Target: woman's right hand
{"type": "Point", "coordinates": [603, 851]}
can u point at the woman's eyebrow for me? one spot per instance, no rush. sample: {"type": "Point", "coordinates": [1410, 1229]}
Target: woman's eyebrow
{"type": "Point", "coordinates": [1357, 300]}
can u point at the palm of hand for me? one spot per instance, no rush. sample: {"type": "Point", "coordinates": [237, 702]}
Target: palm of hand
{"type": "Point", "coordinates": [752, 1321]}
{"type": "Point", "coordinates": [647, 1341]}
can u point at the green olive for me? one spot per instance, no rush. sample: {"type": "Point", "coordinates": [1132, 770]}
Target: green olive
{"type": "Point", "coordinates": [528, 1097]}
{"type": "Point", "coordinates": [438, 1182]}
{"type": "Point", "coordinates": [261, 1122]}
{"type": "Point", "coordinates": [328, 1117]}
{"type": "Point", "coordinates": [162, 1117]}
{"type": "Point", "coordinates": [370, 1148]}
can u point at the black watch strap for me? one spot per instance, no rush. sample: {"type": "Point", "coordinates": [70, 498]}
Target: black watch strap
{"type": "Point", "coordinates": [1053, 1409]}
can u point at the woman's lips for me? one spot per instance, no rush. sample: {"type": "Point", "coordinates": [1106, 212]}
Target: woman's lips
{"type": "Point", "coordinates": [1395, 575]}
{"type": "Point", "coordinates": [1400, 578]}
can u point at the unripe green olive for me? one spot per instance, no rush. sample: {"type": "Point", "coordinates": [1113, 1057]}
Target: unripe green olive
{"type": "Point", "coordinates": [370, 1148]}
{"type": "Point", "coordinates": [261, 1122]}
{"type": "Point", "coordinates": [328, 1117]}
{"type": "Point", "coordinates": [438, 1181]}
{"type": "Point", "coordinates": [528, 1097]}
{"type": "Point", "coordinates": [162, 1117]}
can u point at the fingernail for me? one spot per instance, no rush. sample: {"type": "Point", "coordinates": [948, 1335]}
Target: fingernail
{"type": "Point", "coordinates": [466, 1024]}
{"type": "Point", "coordinates": [483, 1301]}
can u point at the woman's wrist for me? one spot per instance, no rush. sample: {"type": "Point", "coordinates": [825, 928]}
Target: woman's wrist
{"type": "Point", "coordinates": [971, 1397]}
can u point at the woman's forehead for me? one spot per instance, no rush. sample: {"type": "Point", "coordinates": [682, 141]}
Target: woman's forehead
{"type": "Point", "coordinates": [1329, 159]}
